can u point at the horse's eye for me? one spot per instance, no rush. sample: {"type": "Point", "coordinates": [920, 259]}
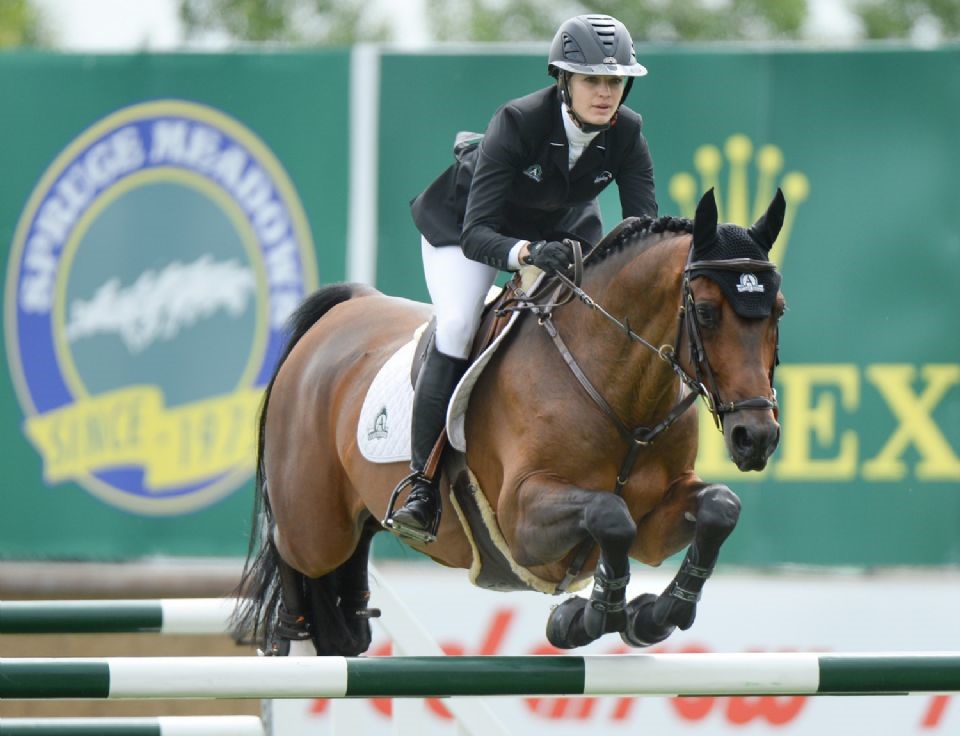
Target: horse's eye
{"type": "Point", "coordinates": [707, 315]}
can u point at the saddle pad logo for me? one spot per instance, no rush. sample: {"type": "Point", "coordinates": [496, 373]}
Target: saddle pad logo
{"type": "Point", "coordinates": [534, 172]}
{"type": "Point", "coordinates": [379, 430]}
{"type": "Point", "coordinates": [151, 274]}
{"type": "Point", "coordinates": [749, 283]}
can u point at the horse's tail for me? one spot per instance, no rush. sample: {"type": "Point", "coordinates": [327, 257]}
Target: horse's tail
{"type": "Point", "coordinates": [258, 592]}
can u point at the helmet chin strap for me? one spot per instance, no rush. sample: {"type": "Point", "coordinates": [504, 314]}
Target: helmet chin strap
{"type": "Point", "coordinates": [567, 99]}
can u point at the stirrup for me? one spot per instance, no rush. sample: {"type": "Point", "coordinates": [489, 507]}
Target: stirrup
{"type": "Point", "coordinates": [402, 530]}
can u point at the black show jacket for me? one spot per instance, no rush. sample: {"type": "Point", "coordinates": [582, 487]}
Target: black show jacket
{"type": "Point", "coordinates": [516, 185]}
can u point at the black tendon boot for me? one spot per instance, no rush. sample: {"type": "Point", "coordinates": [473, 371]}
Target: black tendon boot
{"type": "Point", "coordinates": [419, 517]}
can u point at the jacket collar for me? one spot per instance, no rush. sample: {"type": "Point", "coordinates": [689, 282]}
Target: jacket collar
{"type": "Point", "coordinates": [558, 136]}
{"type": "Point", "coordinates": [592, 155]}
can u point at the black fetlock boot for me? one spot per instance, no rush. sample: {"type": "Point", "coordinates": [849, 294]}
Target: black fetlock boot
{"type": "Point", "coordinates": [288, 629]}
{"type": "Point", "coordinates": [419, 517]}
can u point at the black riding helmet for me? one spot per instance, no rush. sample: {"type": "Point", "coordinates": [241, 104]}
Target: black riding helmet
{"type": "Point", "coordinates": [597, 45]}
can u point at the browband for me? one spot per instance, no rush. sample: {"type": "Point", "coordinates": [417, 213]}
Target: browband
{"type": "Point", "coordinates": [731, 264]}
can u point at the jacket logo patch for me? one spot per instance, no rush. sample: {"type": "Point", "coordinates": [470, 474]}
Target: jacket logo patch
{"type": "Point", "coordinates": [534, 172]}
{"type": "Point", "coordinates": [603, 177]}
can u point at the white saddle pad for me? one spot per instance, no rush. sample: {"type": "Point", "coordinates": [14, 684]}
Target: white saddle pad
{"type": "Point", "coordinates": [383, 432]}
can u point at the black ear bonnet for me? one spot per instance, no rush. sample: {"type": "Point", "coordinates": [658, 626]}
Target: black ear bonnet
{"type": "Point", "coordinates": [751, 292]}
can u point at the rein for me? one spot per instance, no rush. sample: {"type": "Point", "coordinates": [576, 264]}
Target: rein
{"type": "Point", "coordinates": [702, 384]}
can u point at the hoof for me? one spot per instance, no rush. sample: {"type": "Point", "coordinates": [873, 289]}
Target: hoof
{"type": "Point", "coordinates": [565, 625]}
{"type": "Point", "coordinates": [597, 620]}
{"type": "Point", "coordinates": [642, 630]}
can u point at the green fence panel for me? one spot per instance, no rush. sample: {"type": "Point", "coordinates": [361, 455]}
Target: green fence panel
{"type": "Point", "coordinates": [863, 144]}
{"type": "Point", "coordinates": [861, 141]}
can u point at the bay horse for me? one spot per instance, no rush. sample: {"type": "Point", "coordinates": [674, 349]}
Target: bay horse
{"type": "Point", "coordinates": [581, 432]}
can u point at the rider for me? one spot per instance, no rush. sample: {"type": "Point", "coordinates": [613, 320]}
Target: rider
{"type": "Point", "coordinates": [511, 200]}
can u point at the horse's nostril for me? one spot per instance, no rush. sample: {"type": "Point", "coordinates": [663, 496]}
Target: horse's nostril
{"type": "Point", "coordinates": [741, 438]}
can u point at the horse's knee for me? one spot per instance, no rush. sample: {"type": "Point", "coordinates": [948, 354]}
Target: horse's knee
{"type": "Point", "coordinates": [718, 510]}
{"type": "Point", "coordinates": [608, 520]}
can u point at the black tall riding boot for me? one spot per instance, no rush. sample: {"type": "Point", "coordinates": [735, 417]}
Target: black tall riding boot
{"type": "Point", "coordinates": [420, 515]}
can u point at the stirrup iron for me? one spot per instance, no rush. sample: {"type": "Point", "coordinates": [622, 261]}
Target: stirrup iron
{"type": "Point", "coordinates": [406, 532]}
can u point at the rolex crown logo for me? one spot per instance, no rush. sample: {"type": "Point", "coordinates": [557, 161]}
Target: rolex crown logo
{"type": "Point", "coordinates": [733, 203]}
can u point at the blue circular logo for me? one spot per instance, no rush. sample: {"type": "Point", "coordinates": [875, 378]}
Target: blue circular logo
{"type": "Point", "coordinates": [151, 275]}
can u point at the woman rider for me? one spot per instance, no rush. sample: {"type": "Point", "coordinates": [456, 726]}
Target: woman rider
{"type": "Point", "coordinates": [531, 183]}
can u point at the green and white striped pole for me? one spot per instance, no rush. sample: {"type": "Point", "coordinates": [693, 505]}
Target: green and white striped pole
{"type": "Point", "coordinates": [163, 726]}
{"type": "Point", "coordinates": [338, 677]}
{"type": "Point", "coordinates": [165, 616]}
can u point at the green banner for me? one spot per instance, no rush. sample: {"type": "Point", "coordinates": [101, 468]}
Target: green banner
{"type": "Point", "coordinates": [164, 214]}
{"type": "Point", "coordinates": [130, 179]}
{"type": "Point", "coordinates": [863, 145]}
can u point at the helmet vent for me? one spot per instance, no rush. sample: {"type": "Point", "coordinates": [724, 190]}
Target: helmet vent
{"type": "Point", "coordinates": [571, 49]}
{"type": "Point", "coordinates": [606, 32]}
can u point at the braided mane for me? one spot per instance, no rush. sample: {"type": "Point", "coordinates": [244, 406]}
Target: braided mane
{"type": "Point", "coordinates": [636, 231]}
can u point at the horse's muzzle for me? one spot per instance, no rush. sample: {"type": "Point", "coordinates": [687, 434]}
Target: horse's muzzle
{"type": "Point", "coordinates": [751, 442]}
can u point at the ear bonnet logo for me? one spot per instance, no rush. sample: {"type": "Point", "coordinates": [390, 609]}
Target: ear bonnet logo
{"type": "Point", "coordinates": [150, 278]}
{"type": "Point", "coordinates": [749, 283]}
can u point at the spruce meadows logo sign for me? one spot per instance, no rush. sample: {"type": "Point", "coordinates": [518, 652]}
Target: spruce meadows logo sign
{"type": "Point", "coordinates": [150, 278]}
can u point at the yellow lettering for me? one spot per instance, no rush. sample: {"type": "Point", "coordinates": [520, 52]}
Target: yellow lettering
{"type": "Point", "coordinates": [131, 427]}
{"type": "Point", "coordinates": [213, 436]}
{"type": "Point", "coordinates": [95, 433]}
{"type": "Point", "coordinates": [916, 425]}
{"type": "Point", "coordinates": [811, 418]}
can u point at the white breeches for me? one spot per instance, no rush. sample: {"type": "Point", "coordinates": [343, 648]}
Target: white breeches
{"type": "Point", "coordinates": [457, 289]}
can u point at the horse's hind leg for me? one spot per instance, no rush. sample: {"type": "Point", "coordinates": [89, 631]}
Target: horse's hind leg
{"type": "Point", "coordinates": [339, 617]}
{"type": "Point", "coordinates": [652, 618]}
{"type": "Point", "coordinates": [292, 613]}
{"type": "Point", "coordinates": [354, 587]}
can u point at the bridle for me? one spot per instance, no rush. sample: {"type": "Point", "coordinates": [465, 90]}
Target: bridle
{"type": "Point", "coordinates": [702, 383]}
{"type": "Point", "coordinates": [705, 377]}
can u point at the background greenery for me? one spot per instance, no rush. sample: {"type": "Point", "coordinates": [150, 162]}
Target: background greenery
{"type": "Point", "coordinates": [343, 22]}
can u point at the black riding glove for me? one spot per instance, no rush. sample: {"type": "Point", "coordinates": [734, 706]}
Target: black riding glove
{"type": "Point", "coordinates": [550, 255]}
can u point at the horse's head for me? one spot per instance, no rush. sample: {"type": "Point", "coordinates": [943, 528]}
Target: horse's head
{"type": "Point", "coordinates": [733, 306]}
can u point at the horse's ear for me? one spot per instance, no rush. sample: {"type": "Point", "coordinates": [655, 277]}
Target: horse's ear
{"type": "Point", "coordinates": [767, 228]}
{"type": "Point", "coordinates": [705, 222]}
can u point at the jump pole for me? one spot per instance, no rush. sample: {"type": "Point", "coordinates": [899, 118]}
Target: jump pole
{"type": "Point", "coordinates": [399, 677]}
{"type": "Point", "coordinates": [164, 616]}
{"type": "Point", "coordinates": [163, 726]}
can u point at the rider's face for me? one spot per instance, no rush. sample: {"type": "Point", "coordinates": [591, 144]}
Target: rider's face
{"type": "Point", "coordinates": [595, 98]}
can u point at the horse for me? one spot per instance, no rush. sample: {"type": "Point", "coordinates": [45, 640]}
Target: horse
{"type": "Point", "coordinates": [582, 433]}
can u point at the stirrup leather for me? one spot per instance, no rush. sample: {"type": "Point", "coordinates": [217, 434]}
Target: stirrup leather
{"type": "Point", "coordinates": [402, 530]}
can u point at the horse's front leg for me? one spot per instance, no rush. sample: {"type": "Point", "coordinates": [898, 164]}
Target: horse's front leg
{"type": "Point", "coordinates": [564, 518]}
{"type": "Point", "coordinates": [652, 618]}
